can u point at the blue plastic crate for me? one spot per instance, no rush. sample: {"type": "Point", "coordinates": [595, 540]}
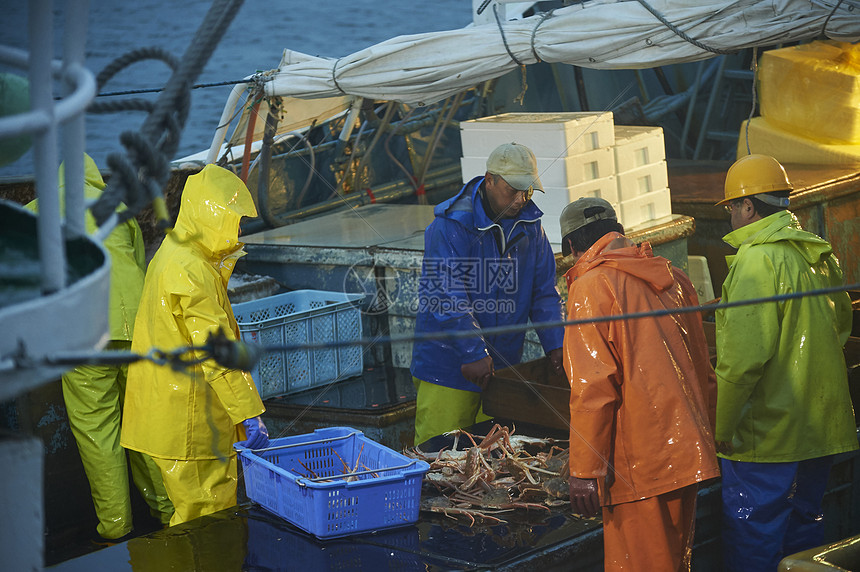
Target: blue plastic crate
{"type": "Point", "coordinates": [385, 492]}
{"type": "Point", "coordinates": [302, 317]}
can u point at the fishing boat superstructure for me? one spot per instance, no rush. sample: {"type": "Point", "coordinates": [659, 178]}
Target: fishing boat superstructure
{"type": "Point", "coordinates": [319, 135]}
{"type": "Point", "coordinates": [381, 125]}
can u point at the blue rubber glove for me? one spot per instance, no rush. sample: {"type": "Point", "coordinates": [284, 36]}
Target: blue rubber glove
{"type": "Point", "coordinates": [256, 432]}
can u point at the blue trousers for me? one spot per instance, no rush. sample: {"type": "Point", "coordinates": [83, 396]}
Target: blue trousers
{"type": "Point", "coordinates": [771, 510]}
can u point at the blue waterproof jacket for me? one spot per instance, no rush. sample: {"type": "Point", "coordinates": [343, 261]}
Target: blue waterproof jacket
{"type": "Point", "coordinates": [481, 274]}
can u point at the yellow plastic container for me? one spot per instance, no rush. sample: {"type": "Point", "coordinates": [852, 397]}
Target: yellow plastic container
{"type": "Point", "coordinates": [788, 147]}
{"type": "Point", "coordinates": [813, 90]}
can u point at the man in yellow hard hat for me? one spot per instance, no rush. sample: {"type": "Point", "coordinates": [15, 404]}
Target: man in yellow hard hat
{"type": "Point", "coordinates": [783, 405]}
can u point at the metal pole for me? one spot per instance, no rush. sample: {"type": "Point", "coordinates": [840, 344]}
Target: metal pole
{"type": "Point", "coordinates": [51, 251]}
{"type": "Point", "coordinates": [74, 132]}
{"type": "Point", "coordinates": [691, 107]}
{"type": "Point", "coordinates": [224, 122]}
{"type": "Point", "coordinates": [706, 120]}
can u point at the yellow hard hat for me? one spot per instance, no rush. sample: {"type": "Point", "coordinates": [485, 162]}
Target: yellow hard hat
{"type": "Point", "coordinates": [753, 175]}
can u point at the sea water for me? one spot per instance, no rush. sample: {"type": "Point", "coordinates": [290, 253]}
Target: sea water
{"type": "Point", "coordinates": [254, 41]}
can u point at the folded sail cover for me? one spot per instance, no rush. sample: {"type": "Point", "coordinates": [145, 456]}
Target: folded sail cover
{"type": "Point", "coordinates": [601, 34]}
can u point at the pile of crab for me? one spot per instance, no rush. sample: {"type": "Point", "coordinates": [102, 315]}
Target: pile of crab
{"type": "Point", "coordinates": [493, 474]}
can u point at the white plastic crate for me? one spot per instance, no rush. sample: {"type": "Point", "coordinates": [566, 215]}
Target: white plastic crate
{"type": "Point", "coordinates": [556, 172]}
{"type": "Point", "coordinates": [302, 317]}
{"type": "Point", "coordinates": [553, 201]}
{"type": "Point", "coordinates": [546, 134]}
{"type": "Point", "coordinates": [654, 205]}
{"type": "Point", "coordinates": [637, 146]}
{"type": "Point", "coordinates": [642, 180]}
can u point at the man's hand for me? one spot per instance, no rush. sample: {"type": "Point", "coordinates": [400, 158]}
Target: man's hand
{"type": "Point", "coordinates": [555, 358]}
{"type": "Point", "coordinates": [725, 448]}
{"type": "Point", "coordinates": [584, 499]}
{"type": "Point", "coordinates": [478, 372]}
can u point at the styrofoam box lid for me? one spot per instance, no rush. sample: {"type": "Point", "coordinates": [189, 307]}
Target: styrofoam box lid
{"type": "Point", "coordinates": [556, 172]}
{"type": "Point", "coordinates": [653, 206]}
{"type": "Point", "coordinates": [636, 146]}
{"type": "Point", "coordinates": [546, 134]}
{"type": "Point", "coordinates": [642, 180]}
{"type": "Point", "coordinates": [625, 134]}
{"type": "Point", "coordinates": [537, 120]}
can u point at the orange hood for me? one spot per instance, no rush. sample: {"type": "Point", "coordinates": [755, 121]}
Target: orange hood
{"type": "Point", "coordinates": [617, 251]}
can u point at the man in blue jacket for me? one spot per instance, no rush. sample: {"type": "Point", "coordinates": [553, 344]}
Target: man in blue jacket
{"type": "Point", "coordinates": [487, 263]}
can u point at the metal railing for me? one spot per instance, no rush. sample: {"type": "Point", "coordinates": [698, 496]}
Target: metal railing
{"type": "Point", "coordinates": [43, 120]}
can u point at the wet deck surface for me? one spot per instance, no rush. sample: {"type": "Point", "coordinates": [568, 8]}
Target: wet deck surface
{"type": "Point", "coordinates": [250, 538]}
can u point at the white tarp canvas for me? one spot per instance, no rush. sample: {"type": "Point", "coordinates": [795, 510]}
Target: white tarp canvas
{"type": "Point", "coordinates": [601, 34]}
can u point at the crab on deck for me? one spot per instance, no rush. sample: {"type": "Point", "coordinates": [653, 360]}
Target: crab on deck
{"type": "Point", "coordinates": [493, 474]}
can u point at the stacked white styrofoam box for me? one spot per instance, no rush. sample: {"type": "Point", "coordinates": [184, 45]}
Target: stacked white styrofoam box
{"type": "Point", "coordinates": [574, 153]}
{"type": "Point", "coordinates": [558, 172]}
{"type": "Point", "coordinates": [546, 134]}
{"type": "Point", "coordinates": [553, 200]}
{"type": "Point", "coordinates": [641, 174]}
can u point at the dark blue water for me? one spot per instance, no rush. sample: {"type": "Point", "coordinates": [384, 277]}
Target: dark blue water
{"type": "Point", "coordinates": [254, 41]}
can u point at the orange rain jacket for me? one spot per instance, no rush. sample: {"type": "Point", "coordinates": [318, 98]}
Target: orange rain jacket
{"type": "Point", "coordinates": [643, 392]}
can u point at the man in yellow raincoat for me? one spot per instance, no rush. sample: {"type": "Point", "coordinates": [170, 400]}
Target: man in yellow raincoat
{"type": "Point", "coordinates": [189, 420]}
{"type": "Point", "coordinates": [642, 394]}
{"type": "Point", "coordinates": [93, 394]}
{"type": "Point", "coordinates": [783, 408]}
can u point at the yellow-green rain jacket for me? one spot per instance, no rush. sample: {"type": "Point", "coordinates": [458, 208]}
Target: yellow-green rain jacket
{"type": "Point", "coordinates": [782, 388]}
{"type": "Point", "coordinates": [127, 256]}
{"type": "Point", "coordinates": [191, 414]}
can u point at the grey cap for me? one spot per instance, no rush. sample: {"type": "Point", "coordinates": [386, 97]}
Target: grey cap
{"type": "Point", "coordinates": [516, 164]}
{"type": "Point", "coordinates": [573, 216]}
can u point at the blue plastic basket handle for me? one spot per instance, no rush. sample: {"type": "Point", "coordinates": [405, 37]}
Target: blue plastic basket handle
{"type": "Point", "coordinates": [355, 474]}
{"type": "Point", "coordinates": [306, 443]}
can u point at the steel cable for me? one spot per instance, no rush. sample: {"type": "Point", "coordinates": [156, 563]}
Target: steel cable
{"type": "Point", "coordinates": [173, 356]}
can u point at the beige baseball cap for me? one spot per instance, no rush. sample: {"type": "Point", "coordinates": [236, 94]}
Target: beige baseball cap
{"type": "Point", "coordinates": [573, 216]}
{"type": "Point", "coordinates": [516, 164]}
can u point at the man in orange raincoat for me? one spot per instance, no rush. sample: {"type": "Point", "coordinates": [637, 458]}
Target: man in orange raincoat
{"type": "Point", "coordinates": [643, 394]}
